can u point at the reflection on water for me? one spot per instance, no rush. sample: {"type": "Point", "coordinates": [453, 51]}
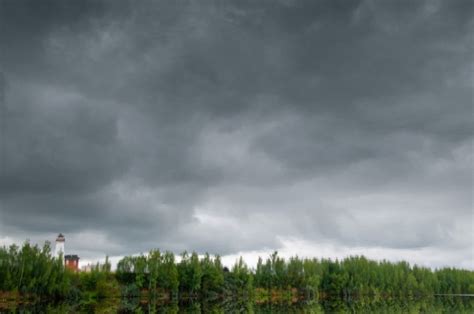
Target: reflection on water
{"type": "Point", "coordinates": [433, 305]}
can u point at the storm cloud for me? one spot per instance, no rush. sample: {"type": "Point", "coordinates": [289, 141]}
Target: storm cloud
{"type": "Point", "coordinates": [240, 126]}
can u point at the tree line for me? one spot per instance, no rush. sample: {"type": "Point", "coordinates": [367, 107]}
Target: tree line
{"type": "Point", "coordinates": [33, 271]}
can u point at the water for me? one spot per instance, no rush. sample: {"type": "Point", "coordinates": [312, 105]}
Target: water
{"type": "Point", "coordinates": [439, 304]}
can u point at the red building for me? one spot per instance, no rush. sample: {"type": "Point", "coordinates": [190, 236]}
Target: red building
{"type": "Point", "coordinates": [72, 262]}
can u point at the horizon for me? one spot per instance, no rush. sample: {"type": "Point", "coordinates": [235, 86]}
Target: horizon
{"type": "Point", "coordinates": [311, 128]}
{"type": "Point", "coordinates": [251, 258]}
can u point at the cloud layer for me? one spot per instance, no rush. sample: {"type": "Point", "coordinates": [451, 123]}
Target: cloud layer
{"type": "Point", "coordinates": [237, 126]}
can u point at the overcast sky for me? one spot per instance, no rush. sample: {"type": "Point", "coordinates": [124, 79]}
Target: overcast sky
{"type": "Point", "coordinates": [317, 128]}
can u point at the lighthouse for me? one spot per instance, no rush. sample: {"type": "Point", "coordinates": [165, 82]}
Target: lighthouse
{"type": "Point", "coordinates": [59, 248]}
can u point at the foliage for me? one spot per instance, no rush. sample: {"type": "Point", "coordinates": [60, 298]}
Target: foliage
{"type": "Point", "coordinates": [189, 274]}
{"type": "Point", "coordinates": [32, 271]}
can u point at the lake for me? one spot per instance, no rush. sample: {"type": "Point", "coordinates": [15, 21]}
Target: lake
{"type": "Point", "coordinates": [440, 304]}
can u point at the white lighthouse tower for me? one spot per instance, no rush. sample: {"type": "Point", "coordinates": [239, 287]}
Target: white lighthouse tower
{"type": "Point", "coordinates": [59, 248]}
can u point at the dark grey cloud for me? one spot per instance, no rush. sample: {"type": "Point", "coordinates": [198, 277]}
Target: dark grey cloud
{"type": "Point", "coordinates": [234, 126]}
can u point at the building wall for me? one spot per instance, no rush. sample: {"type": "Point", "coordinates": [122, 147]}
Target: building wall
{"type": "Point", "coordinates": [72, 264]}
{"type": "Point", "coordinates": [59, 249]}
